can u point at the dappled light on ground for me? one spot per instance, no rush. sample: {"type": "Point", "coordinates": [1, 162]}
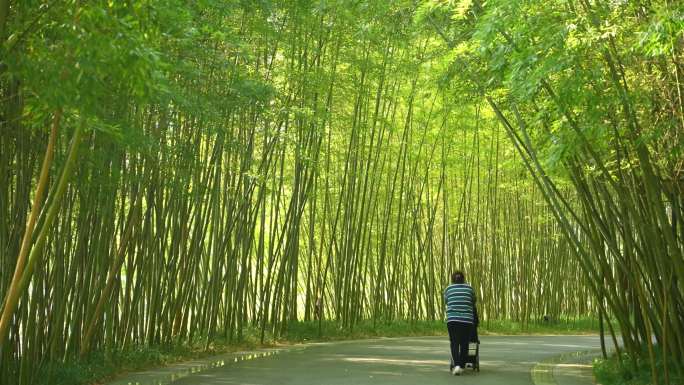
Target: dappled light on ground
{"type": "Point", "coordinates": [504, 360]}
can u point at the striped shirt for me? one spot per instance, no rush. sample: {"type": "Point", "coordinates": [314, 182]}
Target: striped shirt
{"type": "Point", "coordinates": [460, 301]}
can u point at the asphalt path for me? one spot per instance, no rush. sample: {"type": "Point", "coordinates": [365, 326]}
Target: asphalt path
{"type": "Point", "coordinates": [416, 361]}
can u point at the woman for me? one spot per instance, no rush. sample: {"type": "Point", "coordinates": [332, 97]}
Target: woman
{"type": "Point", "coordinates": [461, 318]}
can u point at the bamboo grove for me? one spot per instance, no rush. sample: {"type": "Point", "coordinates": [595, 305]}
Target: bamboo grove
{"type": "Point", "coordinates": [173, 172]}
{"type": "Point", "coordinates": [594, 89]}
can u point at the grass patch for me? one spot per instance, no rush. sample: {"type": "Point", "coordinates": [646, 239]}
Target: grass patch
{"type": "Point", "coordinates": [101, 366]}
{"type": "Point", "coordinates": [564, 326]}
{"type": "Point", "coordinates": [627, 372]}
{"type": "Point", "coordinates": [330, 330]}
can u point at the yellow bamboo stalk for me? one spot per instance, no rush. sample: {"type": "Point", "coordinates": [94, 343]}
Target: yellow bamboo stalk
{"type": "Point", "coordinates": [14, 295]}
{"type": "Point", "coordinates": [33, 217]}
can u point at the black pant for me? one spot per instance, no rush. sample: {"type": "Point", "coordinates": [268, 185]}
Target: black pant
{"type": "Point", "coordinates": [459, 336]}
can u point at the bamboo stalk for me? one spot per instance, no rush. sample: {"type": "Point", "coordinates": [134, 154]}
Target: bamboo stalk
{"type": "Point", "coordinates": [37, 250]}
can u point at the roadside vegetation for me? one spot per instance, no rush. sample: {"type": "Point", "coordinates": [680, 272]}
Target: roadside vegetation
{"type": "Point", "coordinates": [625, 371]}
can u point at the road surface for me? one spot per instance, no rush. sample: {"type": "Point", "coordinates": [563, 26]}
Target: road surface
{"type": "Point", "coordinates": [397, 361]}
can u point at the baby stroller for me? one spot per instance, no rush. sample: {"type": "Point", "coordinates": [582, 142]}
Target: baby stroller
{"type": "Point", "coordinates": [473, 359]}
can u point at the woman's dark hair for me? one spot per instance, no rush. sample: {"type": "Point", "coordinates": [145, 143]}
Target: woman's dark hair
{"type": "Point", "coordinates": [458, 277]}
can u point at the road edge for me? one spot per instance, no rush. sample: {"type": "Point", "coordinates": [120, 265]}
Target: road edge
{"type": "Point", "coordinates": [167, 374]}
{"type": "Point", "coordinates": [544, 372]}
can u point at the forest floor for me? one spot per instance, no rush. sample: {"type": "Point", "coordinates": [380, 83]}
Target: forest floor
{"type": "Point", "coordinates": [513, 360]}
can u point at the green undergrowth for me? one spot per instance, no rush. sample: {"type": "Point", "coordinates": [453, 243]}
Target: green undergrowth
{"type": "Point", "coordinates": [101, 366]}
{"type": "Point", "coordinates": [627, 372]}
{"type": "Point", "coordinates": [329, 330]}
{"type": "Point", "coordinates": [563, 326]}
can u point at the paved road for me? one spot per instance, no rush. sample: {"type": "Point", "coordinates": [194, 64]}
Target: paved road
{"type": "Point", "coordinates": [416, 361]}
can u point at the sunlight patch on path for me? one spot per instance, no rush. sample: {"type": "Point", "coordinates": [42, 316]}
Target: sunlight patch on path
{"type": "Point", "coordinates": [567, 368]}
